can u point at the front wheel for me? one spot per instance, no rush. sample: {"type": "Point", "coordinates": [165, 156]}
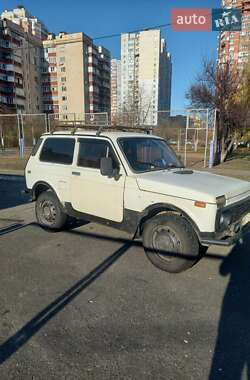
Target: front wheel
{"type": "Point", "coordinates": [49, 213]}
{"type": "Point", "coordinates": [170, 242]}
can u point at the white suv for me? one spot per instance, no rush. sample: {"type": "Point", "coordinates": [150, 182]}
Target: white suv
{"type": "Point", "coordinates": [135, 182]}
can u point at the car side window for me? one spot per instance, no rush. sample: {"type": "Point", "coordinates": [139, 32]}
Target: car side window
{"type": "Point", "coordinates": [36, 147]}
{"type": "Point", "coordinates": [58, 150]}
{"type": "Point", "coordinates": [91, 151]}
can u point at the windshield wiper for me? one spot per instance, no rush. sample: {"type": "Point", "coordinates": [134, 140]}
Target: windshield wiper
{"type": "Point", "coordinates": [174, 167]}
{"type": "Point", "coordinates": [158, 166]}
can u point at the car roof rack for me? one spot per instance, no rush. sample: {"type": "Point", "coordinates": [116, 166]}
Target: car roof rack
{"type": "Point", "coordinates": [99, 128]}
{"type": "Point", "coordinates": [121, 128]}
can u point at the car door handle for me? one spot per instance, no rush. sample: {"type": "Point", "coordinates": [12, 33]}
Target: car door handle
{"type": "Point", "coordinates": [76, 173]}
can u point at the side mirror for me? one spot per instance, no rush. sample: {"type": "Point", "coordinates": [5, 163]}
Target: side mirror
{"type": "Point", "coordinates": [107, 166]}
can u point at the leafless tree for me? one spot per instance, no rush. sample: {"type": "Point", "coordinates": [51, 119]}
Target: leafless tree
{"type": "Point", "coordinates": [217, 87]}
{"type": "Point", "coordinates": [135, 111]}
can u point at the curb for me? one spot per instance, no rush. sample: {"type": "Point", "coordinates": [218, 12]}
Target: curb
{"type": "Point", "coordinates": [12, 172]}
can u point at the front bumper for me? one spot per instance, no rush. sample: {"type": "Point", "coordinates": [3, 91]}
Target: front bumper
{"type": "Point", "coordinates": [234, 232]}
{"type": "Point", "coordinates": [229, 237]}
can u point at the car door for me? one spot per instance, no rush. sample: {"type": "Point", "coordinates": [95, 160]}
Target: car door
{"type": "Point", "coordinates": [91, 192]}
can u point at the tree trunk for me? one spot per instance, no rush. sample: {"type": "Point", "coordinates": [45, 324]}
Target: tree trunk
{"type": "Point", "coordinates": [225, 150]}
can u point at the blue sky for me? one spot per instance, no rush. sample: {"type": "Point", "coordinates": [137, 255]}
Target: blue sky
{"type": "Point", "coordinates": [100, 17]}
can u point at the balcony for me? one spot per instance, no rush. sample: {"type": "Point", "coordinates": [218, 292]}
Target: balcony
{"type": "Point", "coordinates": [9, 67]}
{"type": "Point", "coordinates": [6, 78]}
{"type": "Point", "coordinates": [19, 92]}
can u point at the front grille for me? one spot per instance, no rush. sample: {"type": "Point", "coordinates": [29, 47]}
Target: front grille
{"type": "Point", "coordinates": [239, 209]}
{"type": "Point", "coordinates": [236, 210]}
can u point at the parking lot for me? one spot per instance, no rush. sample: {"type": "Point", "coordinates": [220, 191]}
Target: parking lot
{"type": "Point", "coordinates": [87, 304]}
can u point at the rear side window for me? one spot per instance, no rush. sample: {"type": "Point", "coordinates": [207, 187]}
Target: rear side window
{"type": "Point", "coordinates": [91, 152]}
{"type": "Point", "coordinates": [36, 147]}
{"type": "Point", "coordinates": [58, 150]}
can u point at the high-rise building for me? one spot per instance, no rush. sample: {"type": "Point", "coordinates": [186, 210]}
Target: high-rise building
{"type": "Point", "coordinates": [99, 68]}
{"type": "Point", "coordinates": [115, 89]}
{"type": "Point", "coordinates": [20, 55]}
{"type": "Point", "coordinates": [145, 75]}
{"type": "Point", "coordinates": [30, 24]}
{"type": "Point", "coordinates": [75, 75]}
{"type": "Point", "coordinates": [234, 47]}
{"type": "Point", "coordinates": [42, 72]}
{"type": "Point", "coordinates": [165, 75]}
{"type": "Point", "coordinates": [11, 73]}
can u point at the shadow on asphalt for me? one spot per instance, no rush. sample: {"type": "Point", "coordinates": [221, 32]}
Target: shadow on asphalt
{"type": "Point", "coordinates": [11, 228]}
{"type": "Point", "coordinates": [114, 239]}
{"type": "Point", "coordinates": [13, 344]}
{"type": "Point", "coordinates": [232, 350]}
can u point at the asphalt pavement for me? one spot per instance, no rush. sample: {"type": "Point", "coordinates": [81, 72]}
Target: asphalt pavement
{"type": "Point", "coordinates": [87, 304]}
{"type": "Point", "coordinates": [11, 191]}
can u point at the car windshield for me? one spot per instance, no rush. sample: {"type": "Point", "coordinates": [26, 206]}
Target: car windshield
{"type": "Point", "coordinates": [148, 154]}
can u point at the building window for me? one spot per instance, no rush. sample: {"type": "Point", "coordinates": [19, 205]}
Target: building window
{"type": "Point", "coordinates": [52, 59]}
{"type": "Point", "coordinates": [64, 98]}
{"type": "Point", "coordinates": [61, 60]}
{"type": "Point", "coordinates": [63, 79]}
{"type": "Point", "coordinates": [63, 69]}
{"type": "Point", "coordinates": [64, 88]}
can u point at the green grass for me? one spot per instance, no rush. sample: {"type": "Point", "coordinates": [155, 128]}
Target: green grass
{"type": "Point", "coordinates": [12, 163]}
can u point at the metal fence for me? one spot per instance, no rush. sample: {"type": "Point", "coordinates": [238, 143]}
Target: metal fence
{"type": "Point", "coordinates": [57, 120]}
{"type": "Point", "coordinates": [189, 132]}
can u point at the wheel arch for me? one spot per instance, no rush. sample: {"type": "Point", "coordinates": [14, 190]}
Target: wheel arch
{"type": "Point", "coordinates": [40, 187]}
{"type": "Point", "coordinates": [160, 208]}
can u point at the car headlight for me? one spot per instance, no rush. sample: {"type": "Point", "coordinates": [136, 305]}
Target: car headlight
{"type": "Point", "coordinates": [225, 220]}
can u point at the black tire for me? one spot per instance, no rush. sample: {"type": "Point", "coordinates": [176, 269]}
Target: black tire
{"type": "Point", "coordinates": [49, 213]}
{"type": "Point", "coordinates": [170, 243]}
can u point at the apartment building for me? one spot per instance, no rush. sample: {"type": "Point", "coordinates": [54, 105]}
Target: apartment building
{"type": "Point", "coordinates": [41, 72]}
{"type": "Point", "coordinates": [11, 73]}
{"type": "Point", "coordinates": [75, 75]}
{"type": "Point", "coordinates": [165, 77]}
{"type": "Point", "coordinates": [146, 70]}
{"type": "Point", "coordinates": [234, 47]}
{"type": "Point", "coordinates": [115, 88]}
{"type": "Point", "coordinates": [30, 24]}
{"type": "Point", "coordinates": [99, 69]}
{"type": "Point", "coordinates": [20, 56]}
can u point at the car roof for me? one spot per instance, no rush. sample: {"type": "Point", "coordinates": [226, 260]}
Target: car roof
{"type": "Point", "coordinates": [109, 134]}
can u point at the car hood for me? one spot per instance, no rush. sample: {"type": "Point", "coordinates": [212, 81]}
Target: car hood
{"type": "Point", "coordinates": [194, 185]}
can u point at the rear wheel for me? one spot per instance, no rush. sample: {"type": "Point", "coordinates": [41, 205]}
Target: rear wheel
{"type": "Point", "coordinates": [49, 212]}
{"type": "Point", "coordinates": [170, 242]}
